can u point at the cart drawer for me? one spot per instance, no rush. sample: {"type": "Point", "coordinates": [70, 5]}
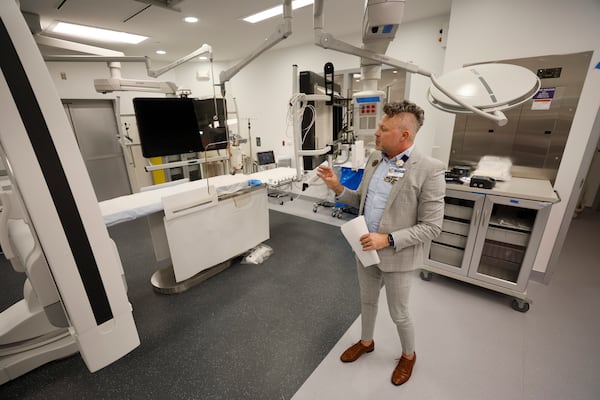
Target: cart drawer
{"type": "Point", "coordinates": [508, 236]}
{"type": "Point", "coordinates": [460, 228]}
{"type": "Point", "coordinates": [446, 254]}
{"type": "Point", "coordinates": [452, 210]}
{"type": "Point", "coordinates": [452, 239]}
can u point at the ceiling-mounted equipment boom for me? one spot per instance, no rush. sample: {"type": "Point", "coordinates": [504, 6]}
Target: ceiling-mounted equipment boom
{"type": "Point", "coordinates": [116, 82]}
{"type": "Point", "coordinates": [484, 89]}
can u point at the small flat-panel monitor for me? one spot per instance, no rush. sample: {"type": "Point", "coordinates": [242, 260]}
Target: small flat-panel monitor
{"type": "Point", "coordinates": [265, 157]}
{"type": "Point", "coordinates": [167, 126]}
{"type": "Point", "coordinates": [205, 112]}
{"type": "Point", "coordinates": [210, 123]}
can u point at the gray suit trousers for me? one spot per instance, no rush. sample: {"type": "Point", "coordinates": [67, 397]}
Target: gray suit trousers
{"type": "Point", "coordinates": [397, 288]}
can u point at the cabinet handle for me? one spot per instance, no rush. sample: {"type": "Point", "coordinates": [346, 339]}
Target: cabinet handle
{"type": "Point", "coordinates": [476, 217]}
{"type": "Point", "coordinates": [483, 218]}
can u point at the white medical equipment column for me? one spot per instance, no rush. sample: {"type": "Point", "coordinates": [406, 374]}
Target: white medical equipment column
{"type": "Point", "coordinates": [58, 199]}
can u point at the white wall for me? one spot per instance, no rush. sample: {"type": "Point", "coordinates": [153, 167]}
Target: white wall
{"type": "Point", "coordinates": [485, 30]}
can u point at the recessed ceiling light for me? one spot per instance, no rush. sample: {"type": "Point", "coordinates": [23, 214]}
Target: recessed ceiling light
{"type": "Point", "coordinates": [89, 32]}
{"type": "Point", "coordinates": [203, 58]}
{"type": "Point", "coordinates": [394, 72]}
{"type": "Point", "coordinates": [278, 10]}
{"type": "Point", "coordinates": [191, 20]}
{"type": "Point", "coordinates": [161, 52]}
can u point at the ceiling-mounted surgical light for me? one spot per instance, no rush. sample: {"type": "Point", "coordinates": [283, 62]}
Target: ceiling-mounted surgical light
{"type": "Point", "coordinates": [486, 88]}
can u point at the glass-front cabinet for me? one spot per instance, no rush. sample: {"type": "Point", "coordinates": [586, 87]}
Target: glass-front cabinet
{"type": "Point", "coordinates": [488, 239]}
{"type": "Point", "coordinates": [453, 248]}
{"type": "Point", "coordinates": [508, 240]}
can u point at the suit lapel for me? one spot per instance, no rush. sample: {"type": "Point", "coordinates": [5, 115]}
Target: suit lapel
{"type": "Point", "coordinates": [402, 182]}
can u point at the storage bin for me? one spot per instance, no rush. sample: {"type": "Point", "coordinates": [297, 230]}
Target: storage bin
{"type": "Point", "coordinates": [452, 239]}
{"type": "Point", "coordinates": [460, 228]}
{"type": "Point", "coordinates": [446, 254]}
{"type": "Point", "coordinates": [508, 236]}
{"type": "Point", "coordinates": [459, 212]}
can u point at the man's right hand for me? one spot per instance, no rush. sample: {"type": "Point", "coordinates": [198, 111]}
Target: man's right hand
{"type": "Point", "coordinates": [330, 179]}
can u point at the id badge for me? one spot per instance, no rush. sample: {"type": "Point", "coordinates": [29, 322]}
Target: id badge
{"type": "Point", "coordinates": [394, 173]}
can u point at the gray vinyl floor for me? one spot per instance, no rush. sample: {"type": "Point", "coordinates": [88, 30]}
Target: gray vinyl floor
{"type": "Point", "coordinates": [471, 345]}
{"type": "Point", "coordinates": [275, 331]}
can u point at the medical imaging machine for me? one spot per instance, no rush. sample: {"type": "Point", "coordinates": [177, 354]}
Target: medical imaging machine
{"type": "Point", "coordinates": [51, 228]}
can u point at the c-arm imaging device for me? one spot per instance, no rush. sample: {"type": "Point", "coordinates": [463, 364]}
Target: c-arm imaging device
{"type": "Point", "coordinates": [51, 225]}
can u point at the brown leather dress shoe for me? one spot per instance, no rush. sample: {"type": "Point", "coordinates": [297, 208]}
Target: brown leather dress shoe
{"type": "Point", "coordinates": [355, 351]}
{"type": "Point", "coordinates": [403, 370]}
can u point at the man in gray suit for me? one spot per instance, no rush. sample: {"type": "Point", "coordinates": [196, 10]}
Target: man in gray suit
{"type": "Point", "coordinates": [402, 198]}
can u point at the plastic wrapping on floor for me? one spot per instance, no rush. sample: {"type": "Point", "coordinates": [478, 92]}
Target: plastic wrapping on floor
{"type": "Point", "coordinates": [258, 254]}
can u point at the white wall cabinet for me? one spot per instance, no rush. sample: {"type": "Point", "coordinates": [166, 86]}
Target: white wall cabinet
{"type": "Point", "coordinates": [490, 238]}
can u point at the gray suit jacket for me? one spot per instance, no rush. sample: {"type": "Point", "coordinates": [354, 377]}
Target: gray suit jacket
{"type": "Point", "coordinates": [414, 210]}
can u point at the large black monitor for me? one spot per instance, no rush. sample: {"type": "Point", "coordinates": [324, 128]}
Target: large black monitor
{"type": "Point", "coordinates": [167, 126]}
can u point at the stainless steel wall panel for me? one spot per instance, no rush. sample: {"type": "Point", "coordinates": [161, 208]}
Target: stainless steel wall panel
{"type": "Point", "coordinates": [534, 139]}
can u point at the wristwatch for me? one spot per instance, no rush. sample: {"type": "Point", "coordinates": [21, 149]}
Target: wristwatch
{"type": "Point", "coordinates": [391, 239]}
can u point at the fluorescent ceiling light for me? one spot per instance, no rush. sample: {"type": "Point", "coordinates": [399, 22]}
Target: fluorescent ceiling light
{"type": "Point", "coordinates": [190, 20]}
{"type": "Point", "coordinates": [88, 32]}
{"type": "Point", "coordinates": [278, 10]}
{"type": "Point", "coordinates": [161, 52]}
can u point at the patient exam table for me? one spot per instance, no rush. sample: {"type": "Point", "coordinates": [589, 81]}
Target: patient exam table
{"type": "Point", "coordinates": [200, 225]}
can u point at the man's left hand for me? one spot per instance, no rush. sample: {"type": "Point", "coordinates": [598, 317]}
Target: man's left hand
{"type": "Point", "coordinates": [374, 241]}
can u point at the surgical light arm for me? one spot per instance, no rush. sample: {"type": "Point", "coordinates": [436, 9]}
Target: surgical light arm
{"type": "Point", "coordinates": [327, 41]}
{"type": "Point", "coordinates": [282, 32]}
{"type": "Point", "coordinates": [155, 73]}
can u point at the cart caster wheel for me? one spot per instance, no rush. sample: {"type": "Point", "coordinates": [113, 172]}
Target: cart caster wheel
{"type": "Point", "coordinates": [281, 203]}
{"type": "Point", "coordinates": [426, 275]}
{"type": "Point", "coordinates": [314, 209]}
{"type": "Point", "coordinates": [520, 305]}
